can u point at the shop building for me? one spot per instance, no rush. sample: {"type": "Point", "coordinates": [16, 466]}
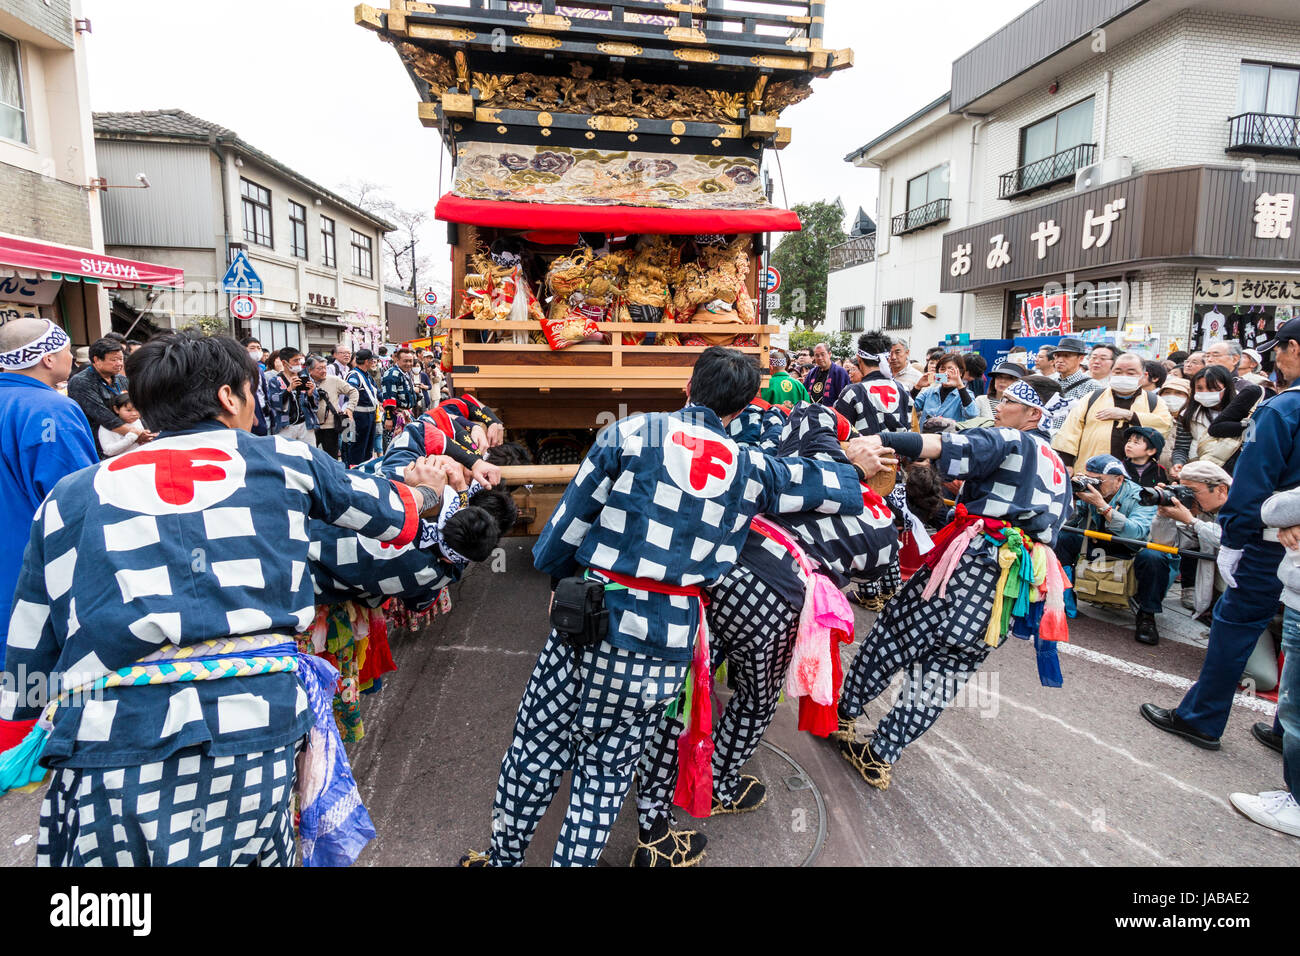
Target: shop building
{"type": "Point", "coordinates": [52, 259]}
{"type": "Point", "coordinates": [925, 184]}
{"type": "Point", "coordinates": [1139, 157]}
{"type": "Point", "coordinates": [318, 255]}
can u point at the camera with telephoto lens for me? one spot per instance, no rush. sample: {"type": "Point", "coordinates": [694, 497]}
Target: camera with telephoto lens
{"type": "Point", "coordinates": [1082, 483]}
{"type": "Point", "coordinates": [1169, 495]}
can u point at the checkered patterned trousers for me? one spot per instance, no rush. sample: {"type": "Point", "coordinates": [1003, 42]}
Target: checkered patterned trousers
{"type": "Point", "coordinates": [188, 810]}
{"type": "Point", "coordinates": [753, 629]}
{"type": "Point", "coordinates": [591, 712]}
{"type": "Point", "coordinates": [938, 643]}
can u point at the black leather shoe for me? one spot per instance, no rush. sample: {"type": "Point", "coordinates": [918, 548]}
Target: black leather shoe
{"type": "Point", "coordinates": [1146, 630]}
{"type": "Point", "coordinates": [1169, 721]}
{"type": "Point", "coordinates": [1263, 732]}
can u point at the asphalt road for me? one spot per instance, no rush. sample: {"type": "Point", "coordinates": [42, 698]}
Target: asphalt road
{"type": "Point", "coordinates": [1015, 774]}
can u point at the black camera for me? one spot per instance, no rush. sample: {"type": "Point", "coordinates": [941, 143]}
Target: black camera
{"type": "Point", "coordinates": [1169, 495]}
{"type": "Point", "coordinates": [1082, 483]}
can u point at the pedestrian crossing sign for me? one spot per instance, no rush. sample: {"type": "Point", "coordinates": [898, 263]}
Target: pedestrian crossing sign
{"type": "Point", "coordinates": [240, 277]}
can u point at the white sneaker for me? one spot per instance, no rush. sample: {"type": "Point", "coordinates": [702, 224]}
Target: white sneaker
{"type": "Point", "coordinates": [1275, 809]}
{"type": "Point", "coordinates": [1189, 598]}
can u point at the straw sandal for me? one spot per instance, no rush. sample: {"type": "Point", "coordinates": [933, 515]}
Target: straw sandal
{"type": "Point", "coordinates": [864, 760]}
{"type": "Point", "coordinates": [676, 848]}
{"type": "Point", "coordinates": [753, 794]}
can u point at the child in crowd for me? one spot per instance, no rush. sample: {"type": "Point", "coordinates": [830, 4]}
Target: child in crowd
{"type": "Point", "coordinates": [114, 443]}
{"type": "Point", "coordinates": [1142, 448]}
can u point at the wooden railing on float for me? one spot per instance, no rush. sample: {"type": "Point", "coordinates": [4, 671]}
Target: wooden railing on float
{"type": "Point", "coordinates": [611, 368]}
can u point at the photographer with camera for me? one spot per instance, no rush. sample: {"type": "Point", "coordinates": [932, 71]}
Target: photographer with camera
{"type": "Point", "coordinates": [334, 400]}
{"type": "Point", "coordinates": [1108, 500]}
{"type": "Point", "coordinates": [1192, 508]}
{"type": "Point", "coordinates": [292, 409]}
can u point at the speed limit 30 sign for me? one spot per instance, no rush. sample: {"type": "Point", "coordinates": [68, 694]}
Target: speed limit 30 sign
{"type": "Point", "coordinates": [243, 307]}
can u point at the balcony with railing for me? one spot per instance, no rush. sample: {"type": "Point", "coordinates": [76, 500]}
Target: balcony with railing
{"type": "Point", "coordinates": [1264, 134]}
{"type": "Point", "coordinates": [922, 217]}
{"type": "Point", "coordinates": [857, 251]}
{"type": "Point", "coordinates": [1047, 172]}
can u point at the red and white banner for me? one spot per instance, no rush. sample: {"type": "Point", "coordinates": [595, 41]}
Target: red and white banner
{"type": "Point", "coordinates": [33, 255]}
{"type": "Point", "coordinates": [1046, 315]}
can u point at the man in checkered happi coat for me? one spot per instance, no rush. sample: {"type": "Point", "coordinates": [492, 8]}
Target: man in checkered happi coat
{"type": "Point", "coordinates": [661, 501]}
{"type": "Point", "coordinates": [1009, 472]}
{"type": "Point", "coordinates": [753, 620]}
{"type": "Point", "coordinates": [199, 536]}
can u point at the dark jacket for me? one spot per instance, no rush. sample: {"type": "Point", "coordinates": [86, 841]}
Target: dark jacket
{"type": "Point", "coordinates": [93, 394]}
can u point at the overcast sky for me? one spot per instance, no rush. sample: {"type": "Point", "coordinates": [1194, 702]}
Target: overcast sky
{"type": "Point", "coordinates": [299, 80]}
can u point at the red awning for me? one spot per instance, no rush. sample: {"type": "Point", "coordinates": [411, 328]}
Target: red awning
{"type": "Point", "coordinates": [622, 220]}
{"type": "Point", "coordinates": [35, 256]}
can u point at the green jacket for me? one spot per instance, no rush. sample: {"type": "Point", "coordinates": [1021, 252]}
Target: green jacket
{"type": "Point", "coordinates": [782, 388]}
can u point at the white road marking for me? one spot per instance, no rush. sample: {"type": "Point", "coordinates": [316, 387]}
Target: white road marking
{"type": "Point", "coordinates": [962, 754]}
{"type": "Point", "coordinates": [485, 650]}
{"type": "Point", "coordinates": [1093, 738]}
{"type": "Point", "coordinates": [1160, 677]}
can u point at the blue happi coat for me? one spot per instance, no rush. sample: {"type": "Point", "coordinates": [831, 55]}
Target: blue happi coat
{"type": "Point", "coordinates": [759, 425]}
{"type": "Point", "coordinates": [282, 399]}
{"type": "Point", "coordinates": [1009, 474]}
{"type": "Point", "coordinates": [847, 548]}
{"type": "Point", "coordinates": [434, 433]}
{"type": "Point", "coordinates": [876, 404]}
{"type": "Point", "coordinates": [347, 566]}
{"type": "Point", "coordinates": [200, 534]}
{"type": "Point", "coordinates": [668, 497]}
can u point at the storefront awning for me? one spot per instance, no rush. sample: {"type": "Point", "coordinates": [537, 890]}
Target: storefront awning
{"type": "Point", "coordinates": [49, 261]}
{"type": "Point", "coordinates": [620, 220]}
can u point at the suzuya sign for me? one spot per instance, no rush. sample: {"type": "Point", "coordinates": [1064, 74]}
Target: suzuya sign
{"type": "Point", "coordinates": [1207, 212]}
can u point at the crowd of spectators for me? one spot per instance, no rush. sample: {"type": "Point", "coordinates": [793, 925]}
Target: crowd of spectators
{"type": "Point", "coordinates": [1154, 444]}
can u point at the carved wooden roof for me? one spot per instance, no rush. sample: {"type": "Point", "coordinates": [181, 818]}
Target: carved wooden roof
{"type": "Point", "coordinates": [702, 77]}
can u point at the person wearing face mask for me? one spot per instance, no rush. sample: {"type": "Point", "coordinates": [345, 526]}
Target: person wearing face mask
{"type": "Point", "coordinates": [1200, 437]}
{"type": "Point", "coordinates": [261, 391]}
{"type": "Point", "coordinates": [293, 413]}
{"type": "Point", "coordinates": [1097, 424]}
{"type": "Point", "coordinates": [1175, 394]}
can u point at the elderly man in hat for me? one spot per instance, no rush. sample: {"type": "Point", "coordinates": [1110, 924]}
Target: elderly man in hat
{"type": "Point", "coordinates": [1076, 383]}
{"type": "Point", "coordinates": [1109, 501]}
{"type": "Point", "coordinates": [1197, 527]}
{"type": "Point", "coordinates": [43, 437]}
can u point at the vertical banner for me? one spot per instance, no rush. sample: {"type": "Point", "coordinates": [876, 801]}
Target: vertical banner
{"type": "Point", "coordinates": [1046, 315]}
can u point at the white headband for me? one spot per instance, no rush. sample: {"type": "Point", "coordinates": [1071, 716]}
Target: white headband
{"type": "Point", "coordinates": [881, 359]}
{"type": "Point", "coordinates": [53, 340]}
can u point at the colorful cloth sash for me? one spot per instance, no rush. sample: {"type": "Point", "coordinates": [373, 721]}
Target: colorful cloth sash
{"type": "Point", "coordinates": [334, 825]}
{"type": "Point", "coordinates": [695, 745]}
{"type": "Point", "coordinates": [1029, 598]}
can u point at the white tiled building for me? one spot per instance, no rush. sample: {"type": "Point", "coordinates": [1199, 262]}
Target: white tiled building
{"type": "Point", "coordinates": [1179, 114]}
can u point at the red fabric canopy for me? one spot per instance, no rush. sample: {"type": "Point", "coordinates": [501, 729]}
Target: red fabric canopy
{"type": "Point", "coordinates": [32, 254]}
{"type": "Point", "coordinates": [622, 220]}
